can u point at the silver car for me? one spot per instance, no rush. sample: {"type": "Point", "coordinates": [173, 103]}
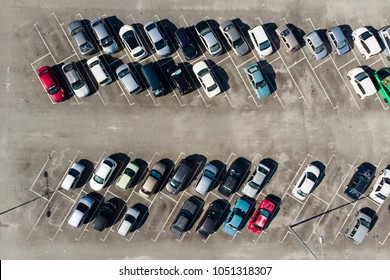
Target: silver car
{"type": "Point", "coordinates": [359, 227]}
{"type": "Point", "coordinates": [287, 37]}
{"type": "Point", "coordinates": [315, 45]}
{"type": "Point", "coordinates": [337, 40]}
{"type": "Point", "coordinates": [233, 37]}
{"type": "Point", "coordinates": [384, 34]}
{"type": "Point", "coordinates": [76, 81]}
{"type": "Point", "coordinates": [127, 78]}
{"type": "Point", "coordinates": [156, 38]}
{"type": "Point", "coordinates": [105, 41]}
{"type": "Point", "coordinates": [257, 182]}
{"type": "Point", "coordinates": [207, 179]}
{"type": "Point", "coordinates": [79, 34]}
{"type": "Point", "coordinates": [208, 38]}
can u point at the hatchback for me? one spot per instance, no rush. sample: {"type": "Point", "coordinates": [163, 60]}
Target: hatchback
{"type": "Point", "coordinates": [359, 227]}
{"type": "Point", "coordinates": [73, 176]}
{"type": "Point", "coordinates": [337, 40]}
{"type": "Point", "coordinates": [260, 41]}
{"type": "Point", "coordinates": [51, 84]}
{"type": "Point", "coordinates": [208, 179]}
{"type": "Point", "coordinates": [128, 176]}
{"type": "Point", "coordinates": [156, 38]}
{"type": "Point", "coordinates": [129, 221]}
{"type": "Point", "coordinates": [180, 79]}
{"type": "Point", "coordinates": [207, 79]}
{"type": "Point", "coordinates": [211, 220]}
{"type": "Point", "coordinates": [76, 81]}
{"type": "Point", "coordinates": [186, 44]}
{"type": "Point", "coordinates": [132, 42]}
{"type": "Point", "coordinates": [235, 221]}
{"type": "Point", "coordinates": [106, 213]}
{"type": "Point", "coordinates": [153, 179]}
{"type": "Point", "coordinates": [234, 38]}
{"type": "Point", "coordinates": [81, 211]}
{"type": "Point", "coordinates": [79, 34]}
{"type": "Point", "coordinates": [181, 176]}
{"type": "Point", "coordinates": [306, 182]}
{"type": "Point", "coordinates": [257, 80]}
{"type": "Point", "coordinates": [102, 174]}
{"type": "Point", "coordinates": [361, 82]}
{"type": "Point", "coordinates": [366, 42]}
{"type": "Point", "coordinates": [287, 37]}
{"type": "Point", "coordinates": [127, 78]}
{"type": "Point", "coordinates": [208, 38]}
{"type": "Point", "coordinates": [382, 77]}
{"type": "Point", "coordinates": [315, 45]}
{"type": "Point", "coordinates": [360, 180]}
{"type": "Point", "coordinates": [105, 40]}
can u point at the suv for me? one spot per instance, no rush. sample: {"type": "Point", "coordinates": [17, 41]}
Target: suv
{"type": "Point", "coordinates": [105, 214]}
{"type": "Point", "coordinates": [185, 43]}
{"type": "Point", "coordinates": [180, 177]}
{"type": "Point", "coordinates": [234, 177]}
{"type": "Point", "coordinates": [287, 37]}
{"type": "Point", "coordinates": [360, 181]}
{"type": "Point", "coordinates": [79, 35]}
{"type": "Point", "coordinates": [187, 215]}
{"type": "Point", "coordinates": [315, 45]}
{"type": "Point", "coordinates": [359, 227]}
{"type": "Point", "coordinates": [180, 79]}
{"type": "Point", "coordinates": [105, 41]}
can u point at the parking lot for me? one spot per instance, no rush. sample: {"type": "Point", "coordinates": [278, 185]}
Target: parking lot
{"type": "Point", "coordinates": [313, 114]}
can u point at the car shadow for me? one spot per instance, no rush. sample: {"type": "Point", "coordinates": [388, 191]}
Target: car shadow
{"type": "Point", "coordinates": [347, 31]}
{"type": "Point", "coordinates": [272, 165]}
{"type": "Point", "coordinates": [89, 167]}
{"type": "Point", "coordinates": [221, 172]}
{"type": "Point", "coordinates": [135, 67]}
{"type": "Point", "coordinates": [270, 28]}
{"type": "Point", "coordinates": [91, 36]}
{"type": "Point", "coordinates": [270, 74]}
{"type": "Point", "coordinates": [111, 63]}
{"type": "Point", "coordinates": [143, 216]}
{"type": "Point", "coordinates": [114, 24]}
{"type": "Point", "coordinates": [192, 78]}
{"type": "Point", "coordinates": [142, 171]}
{"type": "Point", "coordinates": [220, 74]}
{"type": "Point", "coordinates": [251, 210]}
{"type": "Point", "coordinates": [215, 27]}
{"type": "Point", "coordinates": [298, 33]}
{"type": "Point", "coordinates": [168, 29]}
{"type": "Point", "coordinates": [199, 161]}
{"type": "Point", "coordinates": [191, 32]}
{"type": "Point", "coordinates": [163, 65]}
{"type": "Point", "coordinates": [95, 209]}
{"type": "Point", "coordinates": [200, 203]}
{"type": "Point", "coordinates": [324, 38]}
{"type": "Point", "coordinates": [87, 76]}
{"type": "Point", "coordinates": [371, 213]}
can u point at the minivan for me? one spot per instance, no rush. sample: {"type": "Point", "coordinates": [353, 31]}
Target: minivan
{"type": "Point", "coordinates": [99, 71]}
{"type": "Point", "coordinates": [153, 80]}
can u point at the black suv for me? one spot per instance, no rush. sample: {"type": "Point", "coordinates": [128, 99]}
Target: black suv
{"type": "Point", "coordinates": [185, 43]}
{"type": "Point", "coordinates": [106, 213]}
{"type": "Point", "coordinates": [187, 215]}
{"type": "Point", "coordinates": [360, 181]}
{"type": "Point", "coordinates": [179, 77]}
{"type": "Point", "coordinates": [235, 176]}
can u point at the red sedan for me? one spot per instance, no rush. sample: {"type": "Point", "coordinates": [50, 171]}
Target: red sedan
{"type": "Point", "coordinates": [263, 214]}
{"type": "Point", "coordinates": [51, 84]}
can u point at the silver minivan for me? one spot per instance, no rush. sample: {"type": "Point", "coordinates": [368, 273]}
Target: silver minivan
{"type": "Point", "coordinates": [337, 40]}
{"type": "Point", "coordinates": [359, 227]}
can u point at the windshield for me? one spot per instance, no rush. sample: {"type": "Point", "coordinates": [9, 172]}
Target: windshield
{"type": "Point", "coordinates": [211, 88]}
{"type": "Point", "coordinates": [215, 47]}
{"type": "Point", "coordinates": [264, 212]}
{"type": "Point", "coordinates": [176, 72]}
{"type": "Point", "coordinates": [54, 89]}
{"type": "Point", "coordinates": [160, 44]}
{"type": "Point", "coordinates": [123, 73]}
{"type": "Point", "coordinates": [98, 179]}
{"type": "Point", "coordinates": [361, 76]}
{"type": "Point", "coordinates": [319, 48]}
{"type": "Point", "coordinates": [365, 35]}
{"type": "Point", "coordinates": [73, 172]}
{"type": "Point", "coordinates": [175, 183]}
{"type": "Point", "coordinates": [261, 84]}
{"type": "Point", "coordinates": [285, 32]}
{"type": "Point", "coordinates": [264, 45]}
{"type": "Point", "coordinates": [253, 185]}
{"type": "Point", "coordinates": [209, 175]}
{"type": "Point", "coordinates": [342, 44]}
{"type": "Point", "coordinates": [253, 69]}
{"type": "Point", "coordinates": [129, 172]}
{"type": "Point", "coordinates": [78, 84]}
{"type": "Point", "coordinates": [205, 31]}
{"type": "Point", "coordinates": [365, 223]}
{"type": "Point", "coordinates": [238, 42]}
{"type": "Point", "coordinates": [82, 208]}
{"type": "Point", "coordinates": [203, 72]}
{"type": "Point", "coordinates": [107, 41]}
{"type": "Point", "coordinates": [130, 39]}
{"type": "Point", "coordinates": [311, 176]}
{"type": "Point", "coordinates": [155, 174]}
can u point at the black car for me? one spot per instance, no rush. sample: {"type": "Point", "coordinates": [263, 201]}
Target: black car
{"type": "Point", "coordinates": [106, 213]}
{"type": "Point", "coordinates": [234, 177]}
{"type": "Point", "coordinates": [187, 215]}
{"type": "Point", "coordinates": [360, 181]}
{"type": "Point", "coordinates": [180, 78]}
{"type": "Point", "coordinates": [180, 177]}
{"type": "Point", "coordinates": [212, 219]}
{"type": "Point", "coordinates": [185, 43]}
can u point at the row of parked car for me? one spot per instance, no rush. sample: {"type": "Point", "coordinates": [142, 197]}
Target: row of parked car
{"type": "Point", "coordinates": [234, 220]}
{"type": "Point", "coordinates": [130, 37]}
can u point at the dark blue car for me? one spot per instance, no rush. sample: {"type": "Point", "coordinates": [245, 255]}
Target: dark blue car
{"type": "Point", "coordinates": [360, 181]}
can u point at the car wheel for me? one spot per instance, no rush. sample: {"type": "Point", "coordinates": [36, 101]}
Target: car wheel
{"type": "Point", "coordinates": [353, 38]}
{"type": "Point", "coordinates": [314, 56]}
{"type": "Point", "coordinates": [387, 101]}
{"type": "Point", "coordinates": [364, 56]}
{"type": "Point", "coordinates": [357, 213]}
{"type": "Point", "coordinates": [349, 78]}
{"type": "Point", "coordinates": [380, 173]}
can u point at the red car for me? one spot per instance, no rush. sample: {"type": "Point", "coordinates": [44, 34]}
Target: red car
{"type": "Point", "coordinates": [263, 214]}
{"type": "Point", "coordinates": [51, 84]}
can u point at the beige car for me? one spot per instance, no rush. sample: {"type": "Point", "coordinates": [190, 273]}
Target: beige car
{"type": "Point", "coordinates": [153, 179]}
{"type": "Point", "coordinates": [287, 37]}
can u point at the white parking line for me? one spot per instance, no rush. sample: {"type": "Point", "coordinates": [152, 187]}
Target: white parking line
{"type": "Point", "coordinates": [43, 167]}
{"type": "Point", "coordinates": [352, 60]}
{"type": "Point", "coordinates": [384, 241]}
{"type": "Point", "coordinates": [296, 62]}
{"type": "Point", "coordinates": [42, 57]}
{"type": "Point", "coordinates": [326, 60]}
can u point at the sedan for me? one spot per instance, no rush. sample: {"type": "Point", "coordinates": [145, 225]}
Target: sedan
{"type": "Point", "coordinates": [180, 79]}
{"type": "Point", "coordinates": [181, 177]}
{"type": "Point", "coordinates": [80, 36]}
{"type": "Point", "coordinates": [382, 77]}
{"type": "Point", "coordinates": [156, 38]}
{"type": "Point", "coordinates": [236, 218]}
{"type": "Point", "coordinates": [73, 176]}
{"type": "Point", "coordinates": [256, 78]}
{"type": "Point", "coordinates": [306, 182]}
{"type": "Point", "coordinates": [128, 176]}
{"type": "Point", "coordinates": [257, 182]}
{"type": "Point", "coordinates": [264, 214]}
{"type": "Point", "coordinates": [208, 38]}
{"type": "Point", "coordinates": [105, 41]}
{"type": "Point", "coordinates": [234, 178]}
{"type": "Point", "coordinates": [384, 34]}
{"type": "Point", "coordinates": [132, 42]}
{"type": "Point", "coordinates": [315, 45]}
{"type": "Point", "coordinates": [129, 221]}
{"type": "Point", "coordinates": [51, 84]}
{"type": "Point", "coordinates": [186, 44]}
{"type": "Point", "coordinates": [76, 81]}
{"type": "Point", "coordinates": [127, 78]}
{"type": "Point", "coordinates": [106, 213]}
{"type": "Point", "coordinates": [366, 42]}
{"type": "Point", "coordinates": [102, 174]}
{"type": "Point", "coordinates": [260, 41]}
{"type": "Point", "coordinates": [211, 219]}
{"type": "Point", "coordinates": [381, 189]}
{"type": "Point", "coordinates": [286, 36]}
{"type": "Point", "coordinates": [187, 215]}
{"type": "Point", "coordinates": [207, 179]}
{"type": "Point", "coordinates": [81, 211]}
{"type": "Point", "coordinates": [233, 37]}
{"type": "Point", "coordinates": [361, 180]}
{"type": "Point", "coordinates": [152, 180]}
{"type": "Point", "coordinates": [361, 82]}
{"type": "Point", "coordinates": [207, 79]}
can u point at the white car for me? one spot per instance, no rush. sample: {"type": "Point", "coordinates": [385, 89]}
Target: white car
{"type": "Point", "coordinates": [381, 189]}
{"type": "Point", "coordinates": [127, 79]}
{"type": "Point", "coordinates": [102, 174]}
{"type": "Point", "coordinates": [260, 41]}
{"type": "Point", "coordinates": [129, 221]}
{"type": "Point", "coordinates": [306, 182]}
{"type": "Point", "coordinates": [206, 79]}
{"type": "Point", "coordinates": [157, 40]}
{"type": "Point", "coordinates": [73, 176]}
{"type": "Point", "coordinates": [99, 71]}
{"type": "Point", "coordinates": [81, 211]}
{"type": "Point", "coordinates": [132, 42]}
{"type": "Point", "coordinates": [361, 82]}
{"type": "Point", "coordinates": [257, 182]}
{"type": "Point", "coordinates": [366, 42]}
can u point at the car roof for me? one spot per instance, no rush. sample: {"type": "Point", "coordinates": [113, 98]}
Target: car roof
{"type": "Point", "coordinates": [242, 204]}
{"type": "Point", "coordinates": [314, 38]}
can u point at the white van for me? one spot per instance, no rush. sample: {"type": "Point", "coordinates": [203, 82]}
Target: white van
{"type": "Point", "coordinates": [99, 71]}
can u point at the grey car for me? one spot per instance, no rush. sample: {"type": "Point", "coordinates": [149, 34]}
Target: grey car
{"type": "Point", "coordinates": [384, 34]}
{"type": "Point", "coordinates": [337, 40]}
{"type": "Point", "coordinates": [188, 213]}
{"type": "Point", "coordinates": [79, 35]}
{"type": "Point", "coordinates": [76, 81]}
{"type": "Point", "coordinates": [315, 45]}
{"type": "Point", "coordinates": [207, 179]}
{"type": "Point", "coordinates": [359, 228]}
{"type": "Point", "coordinates": [233, 37]}
{"type": "Point", "coordinates": [288, 38]}
{"type": "Point", "coordinates": [105, 41]}
{"type": "Point", "coordinates": [180, 177]}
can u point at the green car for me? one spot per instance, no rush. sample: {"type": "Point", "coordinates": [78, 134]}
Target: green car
{"type": "Point", "coordinates": [127, 176]}
{"type": "Point", "coordinates": [382, 77]}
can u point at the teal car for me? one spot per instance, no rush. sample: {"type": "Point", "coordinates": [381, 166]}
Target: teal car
{"type": "Point", "coordinates": [382, 77]}
{"type": "Point", "coordinates": [236, 218]}
{"type": "Point", "coordinates": [256, 78]}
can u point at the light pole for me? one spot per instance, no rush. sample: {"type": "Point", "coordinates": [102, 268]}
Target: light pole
{"type": "Point", "coordinates": [321, 239]}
